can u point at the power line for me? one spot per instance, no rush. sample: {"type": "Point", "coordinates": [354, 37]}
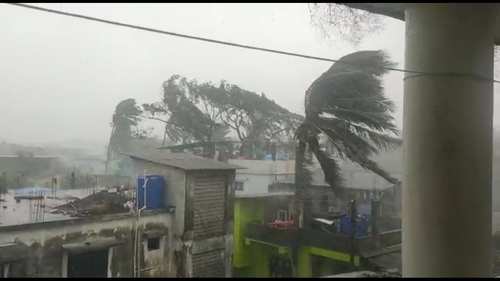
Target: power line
{"type": "Point", "coordinates": [417, 73]}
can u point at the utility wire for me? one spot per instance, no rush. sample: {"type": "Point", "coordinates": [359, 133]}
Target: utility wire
{"type": "Point", "coordinates": [417, 73]}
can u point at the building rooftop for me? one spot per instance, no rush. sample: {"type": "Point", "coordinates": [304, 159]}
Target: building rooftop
{"type": "Point", "coordinates": [185, 161]}
{"type": "Point", "coordinates": [13, 212]}
{"type": "Point", "coordinates": [354, 176]}
{"type": "Point", "coordinates": [265, 167]}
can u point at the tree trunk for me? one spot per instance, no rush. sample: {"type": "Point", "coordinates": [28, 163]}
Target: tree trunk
{"type": "Point", "coordinates": [301, 182]}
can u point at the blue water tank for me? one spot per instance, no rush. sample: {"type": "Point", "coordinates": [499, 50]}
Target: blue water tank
{"type": "Point", "coordinates": [155, 195]}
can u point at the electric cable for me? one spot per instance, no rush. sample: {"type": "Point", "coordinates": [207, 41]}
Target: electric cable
{"type": "Point", "coordinates": [417, 73]}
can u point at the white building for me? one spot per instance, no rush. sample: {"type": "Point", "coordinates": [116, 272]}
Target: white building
{"type": "Point", "coordinates": [257, 175]}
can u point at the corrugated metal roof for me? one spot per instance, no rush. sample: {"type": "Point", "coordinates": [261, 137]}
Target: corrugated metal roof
{"type": "Point", "coordinates": [185, 161]}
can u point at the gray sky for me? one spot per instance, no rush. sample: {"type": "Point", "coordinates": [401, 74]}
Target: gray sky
{"type": "Point", "coordinates": [62, 77]}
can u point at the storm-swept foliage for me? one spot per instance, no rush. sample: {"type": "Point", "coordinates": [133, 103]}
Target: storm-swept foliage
{"type": "Point", "coordinates": [207, 114]}
{"type": "Point", "coordinates": [347, 105]}
{"type": "Point", "coordinates": [124, 128]}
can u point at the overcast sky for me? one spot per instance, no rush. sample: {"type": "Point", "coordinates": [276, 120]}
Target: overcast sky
{"type": "Point", "coordinates": [62, 77]}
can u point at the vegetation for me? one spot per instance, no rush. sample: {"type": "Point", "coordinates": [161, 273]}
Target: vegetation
{"type": "Point", "coordinates": [124, 129]}
{"type": "Point", "coordinates": [346, 104]}
{"type": "Point", "coordinates": [205, 115]}
{"type": "Point", "coordinates": [335, 20]}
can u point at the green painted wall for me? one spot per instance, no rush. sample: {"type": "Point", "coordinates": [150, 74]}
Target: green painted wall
{"type": "Point", "coordinates": [251, 258]}
{"type": "Point", "coordinates": [305, 263]}
{"type": "Point", "coordinates": [245, 211]}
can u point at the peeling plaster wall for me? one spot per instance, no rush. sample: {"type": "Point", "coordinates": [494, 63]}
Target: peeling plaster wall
{"type": "Point", "coordinates": [45, 242]}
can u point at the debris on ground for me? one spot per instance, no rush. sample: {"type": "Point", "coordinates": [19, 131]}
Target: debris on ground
{"type": "Point", "coordinates": [95, 204]}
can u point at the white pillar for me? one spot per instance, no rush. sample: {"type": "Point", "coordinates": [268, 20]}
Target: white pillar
{"type": "Point", "coordinates": [448, 141]}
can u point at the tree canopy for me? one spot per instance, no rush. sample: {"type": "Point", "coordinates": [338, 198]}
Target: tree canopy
{"type": "Point", "coordinates": [124, 128]}
{"type": "Point", "coordinates": [205, 113]}
{"type": "Point", "coordinates": [347, 105]}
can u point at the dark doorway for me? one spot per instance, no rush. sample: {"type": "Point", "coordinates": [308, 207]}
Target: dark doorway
{"type": "Point", "coordinates": [90, 264]}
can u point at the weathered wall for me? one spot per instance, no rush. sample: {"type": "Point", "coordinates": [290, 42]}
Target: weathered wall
{"type": "Point", "coordinates": [259, 183]}
{"type": "Point", "coordinates": [45, 242]}
{"type": "Point", "coordinates": [209, 222]}
{"type": "Point", "coordinates": [175, 188]}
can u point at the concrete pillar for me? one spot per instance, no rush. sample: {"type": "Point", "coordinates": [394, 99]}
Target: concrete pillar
{"type": "Point", "coordinates": [448, 141]}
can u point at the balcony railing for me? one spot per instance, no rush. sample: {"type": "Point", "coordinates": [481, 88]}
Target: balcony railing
{"type": "Point", "coordinates": [320, 239]}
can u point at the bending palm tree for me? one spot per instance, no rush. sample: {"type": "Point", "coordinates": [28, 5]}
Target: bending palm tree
{"type": "Point", "coordinates": [347, 105]}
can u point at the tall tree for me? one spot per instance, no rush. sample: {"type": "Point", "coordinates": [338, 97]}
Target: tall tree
{"type": "Point", "coordinates": [125, 119]}
{"type": "Point", "coordinates": [194, 113]}
{"type": "Point", "coordinates": [188, 115]}
{"type": "Point", "coordinates": [347, 105]}
{"type": "Point", "coordinates": [255, 118]}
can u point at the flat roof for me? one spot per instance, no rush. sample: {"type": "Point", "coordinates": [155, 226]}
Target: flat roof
{"type": "Point", "coordinates": [185, 161]}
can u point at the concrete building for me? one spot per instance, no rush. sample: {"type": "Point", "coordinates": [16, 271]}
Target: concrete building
{"type": "Point", "coordinates": [448, 116]}
{"type": "Point", "coordinates": [257, 175]}
{"type": "Point", "coordinates": [201, 191]}
{"type": "Point", "coordinates": [266, 246]}
{"type": "Point", "coordinates": [191, 236]}
{"type": "Point", "coordinates": [23, 169]}
{"type": "Point", "coordinates": [91, 247]}
{"type": "Point", "coordinates": [260, 177]}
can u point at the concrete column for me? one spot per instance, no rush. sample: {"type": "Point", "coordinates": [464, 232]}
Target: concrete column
{"type": "Point", "coordinates": [448, 141]}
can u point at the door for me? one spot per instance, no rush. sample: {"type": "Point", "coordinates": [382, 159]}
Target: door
{"type": "Point", "coordinates": [90, 264]}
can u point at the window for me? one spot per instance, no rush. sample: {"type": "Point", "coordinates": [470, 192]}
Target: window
{"type": "Point", "coordinates": [282, 215]}
{"type": "Point", "coordinates": [153, 244]}
{"type": "Point", "coordinates": [238, 185]}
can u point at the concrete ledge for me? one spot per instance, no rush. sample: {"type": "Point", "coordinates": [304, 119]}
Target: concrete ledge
{"type": "Point", "coordinates": [91, 245]}
{"type": "Point", "coordinates": [79, 220]}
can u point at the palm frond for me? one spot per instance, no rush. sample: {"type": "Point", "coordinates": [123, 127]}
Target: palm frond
{"type": "Point", "coordinates": [348, 105]}
{"type": "Point", "coordinates": [361, 133]}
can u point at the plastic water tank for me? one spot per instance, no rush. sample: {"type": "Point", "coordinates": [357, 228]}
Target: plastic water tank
{"type": "Point", "coordinates": [155, 192]}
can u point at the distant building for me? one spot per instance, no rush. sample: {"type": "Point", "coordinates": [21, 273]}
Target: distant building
{"type": "Point", "coordinates": [257, 175]}
{"type": "Point", "coordinates": [266, 176]}
{"type": "Point", "coordinates": [23, 167]}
